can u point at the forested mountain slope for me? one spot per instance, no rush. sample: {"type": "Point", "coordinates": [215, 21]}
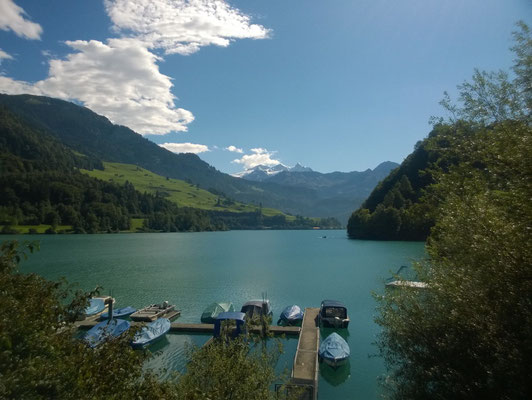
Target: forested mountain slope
{"type": "Point", "coordinates": [96, 137]}
{"type": "Point", "coordinates": [41, 184]}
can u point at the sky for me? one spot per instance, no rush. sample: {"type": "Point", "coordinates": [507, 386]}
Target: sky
{"type": "Point", "coordinates": [338, 85]}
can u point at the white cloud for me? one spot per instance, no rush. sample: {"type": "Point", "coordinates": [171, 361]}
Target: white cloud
{"type": "Point", "coordinates": [182, 26]}
{"type": "Point", "coordinates": [5, 56]}
{"type": "Point", "coordinates": [234, 149]}
{"type": "Point", "coordinates": [259, 157]}
{"type": "Point", "coordinates": [12, 86]}
{"type": "Point", "coordinates": [185, 147]}
{"type": "Point", "coordinates": [12, 17]}
{"type": "Point", "coordinates": [120, 80]}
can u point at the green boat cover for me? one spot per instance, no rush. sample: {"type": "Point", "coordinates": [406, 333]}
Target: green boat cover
{"type": "Point", "coordinates": [211, 312]}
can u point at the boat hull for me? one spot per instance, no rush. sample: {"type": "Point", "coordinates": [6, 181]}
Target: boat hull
{"type": "Point", "coordinates": [119, 313]}
{"type": "Point", "coordinates": [335, 363]}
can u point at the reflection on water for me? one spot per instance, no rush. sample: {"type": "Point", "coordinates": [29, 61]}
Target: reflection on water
{"type": "Point", "coordinates": [324, 332]}
{"type": "Point", "coordinates": [169, 355]}
{"type": "Point", "coordinates": [335, 376]}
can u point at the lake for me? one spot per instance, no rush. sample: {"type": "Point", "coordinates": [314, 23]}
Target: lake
{"type": "Point", "coordinates": [195, 269]}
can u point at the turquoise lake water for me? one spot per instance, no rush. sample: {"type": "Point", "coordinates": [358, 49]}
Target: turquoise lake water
{"type": "Point", "coordinates": [192, 270]}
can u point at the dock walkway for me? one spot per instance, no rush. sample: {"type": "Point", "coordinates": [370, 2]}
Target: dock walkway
{"type": "Point", "coordinates": [305, 369]}
{"type": "Point", "coordinates": [200, 328]}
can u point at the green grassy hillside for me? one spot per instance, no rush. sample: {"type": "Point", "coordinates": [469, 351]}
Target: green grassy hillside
{"type": "Point", "coordinates": [175, 190]}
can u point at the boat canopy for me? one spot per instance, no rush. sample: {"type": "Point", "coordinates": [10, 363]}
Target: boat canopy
{"type": "Point", "coordinates": [256, 307]}
{"type": "Point", "coordinates": [104, 330]}
{"type": "Point", "coordinates": [292, 313]}
{"type": "Point", "coordinates": [333, 309]}
{"type": "Point", "coordinates": [238, 318]}
{"type": "Point", "coordinates": [334, 348]}
{"type": "Point", "coordinates": [211, 312]}
{"type": "Point", "coordinates": [151, 332]}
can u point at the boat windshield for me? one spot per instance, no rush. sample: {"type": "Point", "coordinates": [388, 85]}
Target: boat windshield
{"type": "Point", "coordinates": [333, 312]}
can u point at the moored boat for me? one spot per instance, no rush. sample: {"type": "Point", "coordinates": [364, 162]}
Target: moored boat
{"type": "Point", "coordinates": [96, 305]}
{"type": "Point", "coordinates": [292, 314]}
{"type": "Point", "coordinates": [213, 310]}
{"type": "Point", "coordinates": [333, 313]}
{"type": "Point", "coordinates": [155, 311]}
{"type": "Point", "coordinates": [255, 309]}
{"type": "Point", "coordinates": [151, 333]}
{"type": "Point", "coordinates": [105, 330]}
{"type": "Point", "coordinates": [119, 313]}
{"type": "Point", "coordinates": [334, 350]}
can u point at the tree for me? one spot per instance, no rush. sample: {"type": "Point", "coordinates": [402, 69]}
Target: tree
{"type": "Point", "coordinates": [492, 96]}
{"type": "Point", "coordinates": [230, 369]}
{"type": "Point", "coordinates": [469, 335]}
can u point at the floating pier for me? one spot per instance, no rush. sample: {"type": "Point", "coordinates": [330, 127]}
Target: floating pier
{"type": "Point", "coordinates": [306, 368]}
{"type": "Point", "coordinates": [201, 328]}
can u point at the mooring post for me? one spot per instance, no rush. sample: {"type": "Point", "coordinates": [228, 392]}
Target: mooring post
{"type": "Point", "coordinates": [109, 302]}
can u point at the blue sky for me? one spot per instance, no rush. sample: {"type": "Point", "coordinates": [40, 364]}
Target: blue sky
{"type": "Point", "coordinates": [338, 85]}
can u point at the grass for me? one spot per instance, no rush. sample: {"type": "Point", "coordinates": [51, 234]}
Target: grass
{"type": "Point", "coordinates": [23, 229]}
{"type": "Point", "coordinates": [180, 192]}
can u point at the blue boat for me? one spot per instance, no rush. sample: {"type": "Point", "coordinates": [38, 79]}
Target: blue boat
{"type": "Point", "coordinates": [334, 350]}
{"type": "Point", "coordinates": [106, 330]}
{"type": "Point", "coordinates": [119, 313]}
{"type": "Point", "coordinates": [292, 314]}
{"type": "Point", "coordinates": [95, 306]}
{"type": "Point", "coordinates": [150, 333]}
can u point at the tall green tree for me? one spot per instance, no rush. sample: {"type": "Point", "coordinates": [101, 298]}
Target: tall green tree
{"type": "Point", "coordinates": [469, 335]}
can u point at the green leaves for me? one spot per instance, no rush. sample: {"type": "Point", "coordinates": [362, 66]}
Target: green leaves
{"type": "Point", "coordinates": [468, 336]}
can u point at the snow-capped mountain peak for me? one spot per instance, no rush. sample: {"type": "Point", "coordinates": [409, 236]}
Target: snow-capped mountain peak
{"type": "Point", "coordinates": [262, 172]}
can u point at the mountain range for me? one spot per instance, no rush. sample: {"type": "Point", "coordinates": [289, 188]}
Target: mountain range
{"type": "Point", "coordinates": [261, 173]}
{"type": "Point", "coordinates": [297, 191]}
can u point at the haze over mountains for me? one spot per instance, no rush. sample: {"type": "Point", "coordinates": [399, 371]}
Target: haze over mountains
{"type": "Point", "coordinates": [299, 190]}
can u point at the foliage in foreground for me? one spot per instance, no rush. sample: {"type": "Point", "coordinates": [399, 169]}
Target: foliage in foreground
{"type": "Point", "coordinates": [470, 335]}
{"type": "Point", "coordinates": [222, 371]}
{"type": "Point", "coordinates": [40, 358]}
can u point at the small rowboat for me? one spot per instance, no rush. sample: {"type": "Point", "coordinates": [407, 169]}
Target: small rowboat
{"type": "Point", "coordinates": [334, 350]}
{"type": "Point", "coordinates": [150, 333]}
{"type": "Point", "coordinates": [106, 330]}
{"type": "Point", "coordinates": [119, 313]}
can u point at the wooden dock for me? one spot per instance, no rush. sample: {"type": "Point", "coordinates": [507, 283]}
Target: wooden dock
{"type": "Point", "coordinates": [155, 311]}
{"type": "Point", "coordinates": [201, 328]}
{"type": "Point", "coordinates": [305, 370]}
